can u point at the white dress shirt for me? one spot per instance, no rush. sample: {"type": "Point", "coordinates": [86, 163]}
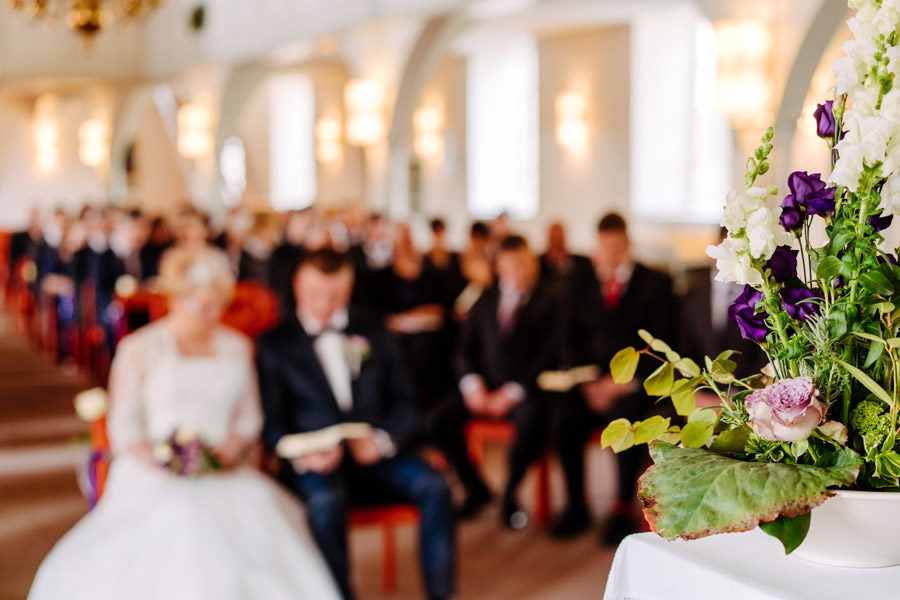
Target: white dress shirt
{"type": "Point", "coordinates": [329, 346]}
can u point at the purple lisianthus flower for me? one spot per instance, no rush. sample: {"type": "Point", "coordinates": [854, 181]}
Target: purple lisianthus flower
{"type": "Point", "coordinates": [824, 115]}
{"type": "Point", "coordinates": [879, 222]}
{"type": "Point", "coordinates": [888, 258]}
{"type": "Point", "coordinates": [786, 411]}
{"type": "Point", "coordinates": [821, 203]}
{"type": "Point", "coordinates": [811, 193]}
{"type": "Point", "coordinates": [783, 264]}
{"type": "Point", "coordinates": [800, 303]}
{"type": "Point", "coordinates": [791, 214]}
{"type": "Point", "coordinates": [743, 312]}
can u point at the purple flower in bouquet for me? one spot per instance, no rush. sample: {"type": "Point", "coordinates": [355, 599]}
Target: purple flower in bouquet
{"type": "Point", "coordinates": [800, 303]}
{"type": "Point", "coordinates": [879, 221]}
{"type": "Point", "coordinates": [786, 411]}
{"type": "Point", "coordinates": [887, 258]}
{"type": "Point", "coordinates": [809, 196]}
{"type": "Point", "coordinates": [824, 115]}
{"type": "Point", "coordinates": [185, 454]}
{"type": "Point", "coordinates": [791, 214]}
{"type": "Point", "coordinates": [783, 264]}
{"type": "Point", "coordinates": [743, 312]}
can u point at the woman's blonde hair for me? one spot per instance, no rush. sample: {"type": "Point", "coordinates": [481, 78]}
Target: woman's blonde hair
{"type": "Point", "coordinates": [183, 271]}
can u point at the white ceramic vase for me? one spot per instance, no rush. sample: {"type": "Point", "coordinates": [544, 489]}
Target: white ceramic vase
{"type": "Point", "coordinates": [854, 529]}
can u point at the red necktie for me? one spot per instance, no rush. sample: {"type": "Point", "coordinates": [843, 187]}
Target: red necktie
{"type": "Point", "coordinates": [612, 293]}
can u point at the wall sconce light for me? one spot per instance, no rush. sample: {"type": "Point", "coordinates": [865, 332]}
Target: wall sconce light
{"type": "Point", "coordinates": [45, 132]}
{"type": "Point", "coordinates": [428, 126]}
{"type": "Point", "coordinates": [742, 82]}
{"type": "Point", "coordinates": [571, 124]}
{"type": "Point", "coordinates": [328, 140]}
{"type": "Point", "coordinates": [195, 136]}
{"type": "Point", "coordinates": [364, 101]}
{"type": "Point", "coordinates": [93, 143]}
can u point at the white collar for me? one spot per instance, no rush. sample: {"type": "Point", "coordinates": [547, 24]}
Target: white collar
{"type": "Point", "coordinates": [313, 326]}
{"type": "Point", "coordinates": [622, 273]}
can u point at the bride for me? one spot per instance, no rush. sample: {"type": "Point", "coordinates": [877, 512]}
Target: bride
{"type": "Point", "coordinates": [230, 534]}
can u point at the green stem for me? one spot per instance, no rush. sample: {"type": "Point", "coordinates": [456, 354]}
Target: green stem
{"type": "Point", "coordinates": [860, 222]}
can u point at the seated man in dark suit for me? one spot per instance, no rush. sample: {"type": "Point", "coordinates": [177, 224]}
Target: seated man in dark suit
{"type": "Point", "coordinates": [325, 367]}
{"type": "Point", "coordinates": [507, 341]}
{"type": "Point", "coordinates": [558, 265]}
{"type": "Point", "coordinates": [606, 310]}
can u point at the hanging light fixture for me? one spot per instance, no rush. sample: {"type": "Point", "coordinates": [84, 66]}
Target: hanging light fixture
{"type": "Point", "coordinates": [85, 17]}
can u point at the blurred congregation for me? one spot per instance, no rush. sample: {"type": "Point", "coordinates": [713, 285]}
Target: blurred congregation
{"type": "Point", "coordinates": [376, 257]}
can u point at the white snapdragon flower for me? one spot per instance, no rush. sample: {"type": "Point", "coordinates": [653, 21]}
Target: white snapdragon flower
{"type": "Point", "coordinates": [849, 167]}
{"type": "Point", "coordinates": [887, 18]}
{"type": "Point", "coordinates": [890, 195]}
{"type": "Point", "coordinates": [866, 9]}
{"type": "Point", "coordinates": [739, 205]}
{"type": "Point", "coordinates": [765, 233]}
{"type": "Point", "coordinates": [733, 262]}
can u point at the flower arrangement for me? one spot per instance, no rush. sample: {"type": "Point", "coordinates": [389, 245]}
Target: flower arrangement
{"type": "Point", "coordinates": [825, 413]}
{"type": "Point", "coordinates": [185, 454]}
{"type": "Point", "coordinates": [358, 350]}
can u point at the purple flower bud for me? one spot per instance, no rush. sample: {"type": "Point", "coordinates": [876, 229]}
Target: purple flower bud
{"type": "Point", "coordinates": [743, 312]}
{"type": "Point", "coordinates": [791, 214]}
{"type": "Point", "coordinates": [825, 120]}
{"type": "Point", "coordinates": [800, 303]}
{"type": "Point", "coordinates": [888, 258]}
{"type": "Point", "coordinates": [783, 264]}
{"type": "Point", "coordinates": [880, 222]}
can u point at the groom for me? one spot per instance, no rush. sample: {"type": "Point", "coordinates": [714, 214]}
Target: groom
{"type": "Point", "coordinates": [324, 367]}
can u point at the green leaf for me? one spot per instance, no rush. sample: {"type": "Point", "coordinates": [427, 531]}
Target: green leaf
{"type": "Point", "coordinates": [868, 382]}
{"type": "Point", "coordinates": [876, 283]}
{"type": "Point", "coordinates": [619, 435]}
{"type": "Point", "coordinates": [893, 342]}
{"type": "Point", "coordinates": [887, 465]}
{"type": "Point", "coordinates": [646, 336]}
{"type": "Point", "coordinates": [731, 441]}
{"type": "Point", "coordinates": [624, 364]}
{"type": "Point", "coordinates": [705, 414]}
{"type": "Point", "coordinates": [789, 531]}
{"type": "Point", "coordinates": [671, 436]}
{"type": "Point", "coordinates": [696, 434]}
{"type": "Point", "coordinates": [650, 429]}
{"type": "Point", "coordinates": [829, 268]}
{"type": "Point", "coordinates": [837, 324]}
{"type": "Point", "coordinates": [687, 367]}
{"type": "Point", "coordinates": [659, 346]}
{"type": "Point", "coordinates": [868, 336]}
{"type": "Point", "coordinates": [660, 381]}
{"type": "Point", "coordinates": [690, 493]}
{"type": "Point", "coordinates": [672, 356]}
{"type": "Point", "coordinates": [683, 397]}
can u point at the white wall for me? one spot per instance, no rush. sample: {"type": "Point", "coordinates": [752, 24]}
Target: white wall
{"type": "Point", "coordinates": [69, 184]}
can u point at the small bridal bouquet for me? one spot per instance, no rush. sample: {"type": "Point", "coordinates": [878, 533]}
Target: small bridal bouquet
{"type": "Point", "coordinates": [185, 454]}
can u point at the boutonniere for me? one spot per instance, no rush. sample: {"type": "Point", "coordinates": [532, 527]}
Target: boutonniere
{"type": "Point", "coordinates": [358, 350]}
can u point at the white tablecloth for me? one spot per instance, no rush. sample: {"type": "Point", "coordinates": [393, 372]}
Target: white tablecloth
{"type": "Point", "coordinates": [737, 566]}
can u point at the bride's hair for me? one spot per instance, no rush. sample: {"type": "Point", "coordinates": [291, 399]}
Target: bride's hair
{"type": "Point", "coordinates": [185, 270]}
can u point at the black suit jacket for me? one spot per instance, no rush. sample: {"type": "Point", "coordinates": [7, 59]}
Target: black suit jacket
{"type": "Point", "coordinates": [297, 397]}
{"type": "Point", "coordinates": [596, 332]}
{"type": "Point", "coordinates": [520, 356]}
{"type": "Point", "coordinates": [698, 339]}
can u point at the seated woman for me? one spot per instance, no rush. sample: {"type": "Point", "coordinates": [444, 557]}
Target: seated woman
{"type": "Point", "coordinates": [226, 534]}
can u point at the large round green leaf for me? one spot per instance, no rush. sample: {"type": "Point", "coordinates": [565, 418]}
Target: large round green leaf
{"type": "Point", "coordinates": [691, 493]}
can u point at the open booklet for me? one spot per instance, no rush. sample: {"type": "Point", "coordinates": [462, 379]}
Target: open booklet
{"type": "Point", "coordinates": [296, 445]}
{"type": "Point", "coordinates": [563, 381]}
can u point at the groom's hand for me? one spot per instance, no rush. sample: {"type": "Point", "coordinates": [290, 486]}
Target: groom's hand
{"type": "Point", "coordinates": [365, 451]}
{"type": "Point", "coordinates": [322, 463]}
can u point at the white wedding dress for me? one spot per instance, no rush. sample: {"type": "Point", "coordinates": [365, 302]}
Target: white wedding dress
{"type": "Point", "coordinates": [155, 536]}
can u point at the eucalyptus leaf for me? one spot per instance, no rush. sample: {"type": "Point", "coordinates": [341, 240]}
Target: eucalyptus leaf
{"type": "Point", "coordinates": [646, 336]}
{"type": "Point", "coordinates": [619, 435]}
{"type": "Point", "coordinates": [660, 382]}
{"type": "Point", "coordinates": [731, 441]}
{"type": "Point", "coordinates": [624, 364]}
{"type": "Point", "coordinates": [683, 397]}
{"type": "Point", "coordinates": [659, 346]}
{"type": "Point", "coordinates": [650, 429]}
{"type": "Point", "coordinates": [690, 493]}
{"type": "Point", "coordinates": [696, 434]}
{"type": "Point", "coordinates": [705, 414]}
{"type": "Point", "coordinates": [687, 367]}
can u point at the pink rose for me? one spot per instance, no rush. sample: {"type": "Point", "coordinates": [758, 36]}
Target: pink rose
{"type": "Point", "coordinates": [786, 411]}
{"type": "Point", "coordinates": [835, 430]}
